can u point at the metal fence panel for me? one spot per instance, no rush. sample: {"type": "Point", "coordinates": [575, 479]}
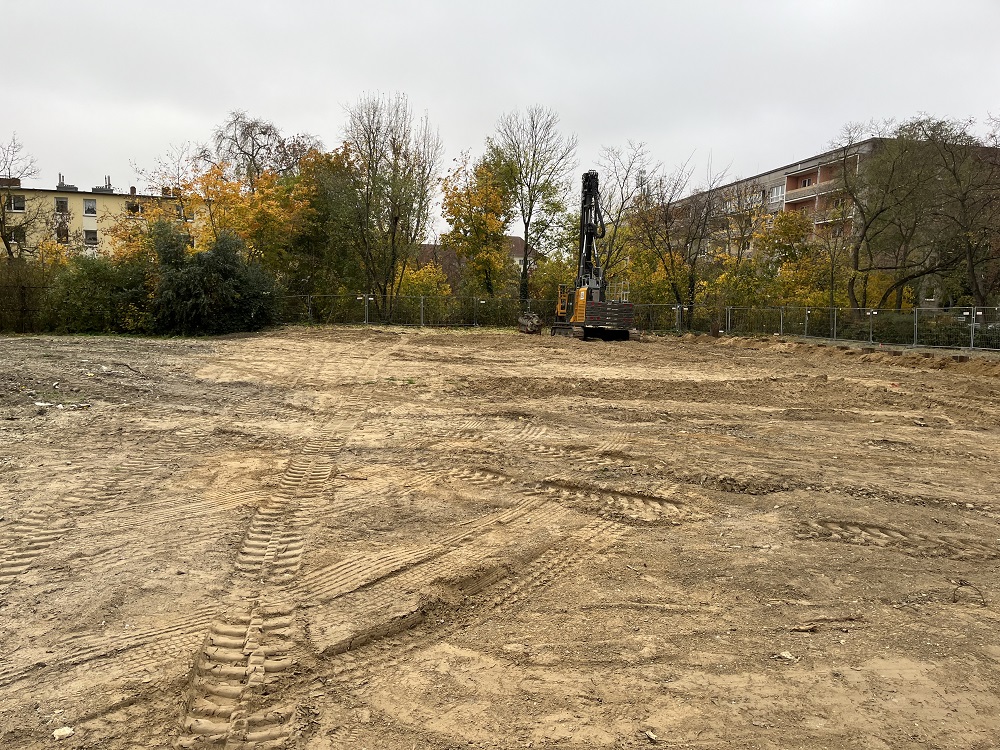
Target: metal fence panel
{"type": "Point", "coordinates": [966, 327]}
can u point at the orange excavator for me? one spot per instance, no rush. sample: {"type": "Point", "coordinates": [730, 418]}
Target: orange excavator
{"type": "Point", "coordinates": [585, 310]}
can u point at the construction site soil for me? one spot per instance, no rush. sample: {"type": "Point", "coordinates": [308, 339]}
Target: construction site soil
{"type": "Point", "coordinates": [411, 538]}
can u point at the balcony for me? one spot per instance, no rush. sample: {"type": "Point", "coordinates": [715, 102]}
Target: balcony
{"type": "Point", "coordinates": [820, 188]}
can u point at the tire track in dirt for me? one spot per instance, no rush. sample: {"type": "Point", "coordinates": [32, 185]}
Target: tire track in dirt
{"type": "Point", "coordinates": [33, 534]}
{"type": "Point", "coordinates": [230, 699]}
{"type": "Point", "coordinates": [382, 644]}
{"type": "Point", "coordinates": [49, 521]}
{"type": "Point", "coordinates": [169, 510]}
{"type": "Point", "coordinates": [356, 573]}
{"type": "Point", "coordinates": [244, 654]}
{"type": "Point", "coordinates": [152, 647]}
{"type": "Point", "coordinates": [525, 438]}
{"type": "Point", "coordinates": [669, 507]}
{"type": "Point", "coordinates": [912, 543]}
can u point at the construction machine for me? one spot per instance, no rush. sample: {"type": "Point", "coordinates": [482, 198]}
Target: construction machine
{"type": "Point", "coordinates": [587, 310]}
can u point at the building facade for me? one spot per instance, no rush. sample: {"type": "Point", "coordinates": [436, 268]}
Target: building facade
{"type": "Point", "coordinates": [64, 214]}
{"type": "Point", "coordinates": [813, 184]}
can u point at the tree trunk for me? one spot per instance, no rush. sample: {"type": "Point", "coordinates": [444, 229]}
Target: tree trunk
{"type": "Point", "coordinates": [523, 288]}
{"type": "Point", "coordinates": [970, 267]}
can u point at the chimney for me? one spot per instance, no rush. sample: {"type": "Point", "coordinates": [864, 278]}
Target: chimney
{"type": "Point", "coordinates": [63, 186]}
{"type": "Point", "coordinates": [106, 188]}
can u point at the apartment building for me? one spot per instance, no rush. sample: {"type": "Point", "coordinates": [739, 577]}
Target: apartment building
{"type": "Point", "coordinates": [811, 184]}
{"type": "Point", "coordinates": [65, 214]}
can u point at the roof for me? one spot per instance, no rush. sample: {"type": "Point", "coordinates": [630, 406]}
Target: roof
{"type": "Point", "coordinates": [797, 166]}
{"type": "Point", "coordinates": [23, 189]}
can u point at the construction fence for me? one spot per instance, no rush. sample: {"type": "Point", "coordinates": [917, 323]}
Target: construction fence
{"type": "Point", "coordinates": [962, 327]}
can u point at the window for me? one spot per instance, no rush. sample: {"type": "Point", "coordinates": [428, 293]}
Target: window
{"type": "Point", "coordinates": [15, 202]}
{"type": "Point", "coordinates": [133, 207]}
{"type": "Point", "coordinates": [17, 235]}
{"type": "Point", "coordinates": [807, 182]}
{"type": "Point", "coordinates": [776, 194]}
{"type": "Point", "coordinates": [90, 207]}
{"type": "Point", "coordinates": [90, 237]}
{"type": "Point", "coordinates": [62, 233]}
{"type": "Point", "coordinates": [62, 205]}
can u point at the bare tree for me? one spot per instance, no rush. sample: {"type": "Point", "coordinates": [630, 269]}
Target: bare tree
{"type": "Point", "coordinates": [20, 215]}
{"type": "Point", "coordinates": [394, 166]}
{"type": "Point", "coordinates": [251, 145]}
{"type": "Point", "coordinates": [537, 161]}
{"type": "Point", "coordinates": [743, 216]}
{"type": "Point", "coordinates": [625, 175]}
{"type": "Point", "coordinates": [676, 228]}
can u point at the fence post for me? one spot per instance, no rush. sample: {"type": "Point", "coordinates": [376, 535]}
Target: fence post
{"type": "Point", "coordinates": [806, 334]}
{"type": "Point", "coordinates": [421, 311]}
{"type": "Point", "coordinates": [915, 323]}
{"type": "Point", "coordinates": [677, 322]}
{"type": "Point", "coordinates": [781, 320]}
{"type": "Point", "coordinates": [729, 319]}
{"type": "Point", "coordinates": [366, 308]}
{"type": "Point", "coordinates": [309, 308]}
{"type": "Point", "coordinates": [870, 316]}
{"type": "Point", "coordinates": [972, 329]}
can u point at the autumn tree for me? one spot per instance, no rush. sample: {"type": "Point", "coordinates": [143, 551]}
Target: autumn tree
{"type": "Point", "coordinates": [536, 161]}
{"type": "Point", "coordinates": [479, 208]}
{"type": "Point", "coordinates": [675, 229]}
{"type": "Point", "coordinates": [393, 170]}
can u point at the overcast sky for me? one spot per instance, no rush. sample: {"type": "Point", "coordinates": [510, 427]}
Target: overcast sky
{"type": "Point", "coordinates": [92, 88]}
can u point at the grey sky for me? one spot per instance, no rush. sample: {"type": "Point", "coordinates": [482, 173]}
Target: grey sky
{"type": "Point", "coordinates": [91, 87]}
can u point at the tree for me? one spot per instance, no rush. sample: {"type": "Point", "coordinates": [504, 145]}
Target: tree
{"type": "Point", "coordinates": [207, 199]}
{"type": "Point", "coordinates": [536, 163]}
{"type": "Point", "coordinates": [675, 229]}
{"type": "Point", "coordinates": [624, 175]}
{"type": "Point", "coordinates": [251, 146]}
{"type": "Point", "coordinates": [215, 291]}
{"type": "Point", "coordinates": [880, 175]}
{"type": "Point", "coordinates": [479, 208]}
{"type": "Point", "coordinates": [321, 258]}
{"type": "Point", "coordinates": [968, 172]}
{"type": "Point", "coordinates": [20, 216]}
{"type": "Point", "coordinates": [393, 164]}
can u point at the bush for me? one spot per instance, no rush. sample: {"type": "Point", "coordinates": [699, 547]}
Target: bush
{"type": "Point", "coordinates": [211, 292]}
{"type": "Point", "coordinates": [95, 295]}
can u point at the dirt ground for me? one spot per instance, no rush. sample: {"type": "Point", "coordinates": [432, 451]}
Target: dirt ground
{"type": "Point", "coordinates": [388, 538]}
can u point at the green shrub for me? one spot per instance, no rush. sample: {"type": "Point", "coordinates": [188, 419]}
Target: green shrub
{"type": "Point", "coordinates": [211, 292]}
{"type": "Point", "coordinates": [98, 295]}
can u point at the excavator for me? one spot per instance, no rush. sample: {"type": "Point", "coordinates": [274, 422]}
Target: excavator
{"type": "Point", "coordinates": [586, 311]}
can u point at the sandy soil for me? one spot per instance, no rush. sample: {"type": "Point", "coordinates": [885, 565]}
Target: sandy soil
{"type": "Point", "coordinates": [400, 539]}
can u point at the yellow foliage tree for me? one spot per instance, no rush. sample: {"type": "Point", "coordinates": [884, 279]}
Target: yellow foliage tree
{"type": "Point", "coordinates": [208, 201]}
{"type": "Point", "coordinates": [479, 209]}
{"type": "Point", "coordinates": [429, 280]}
